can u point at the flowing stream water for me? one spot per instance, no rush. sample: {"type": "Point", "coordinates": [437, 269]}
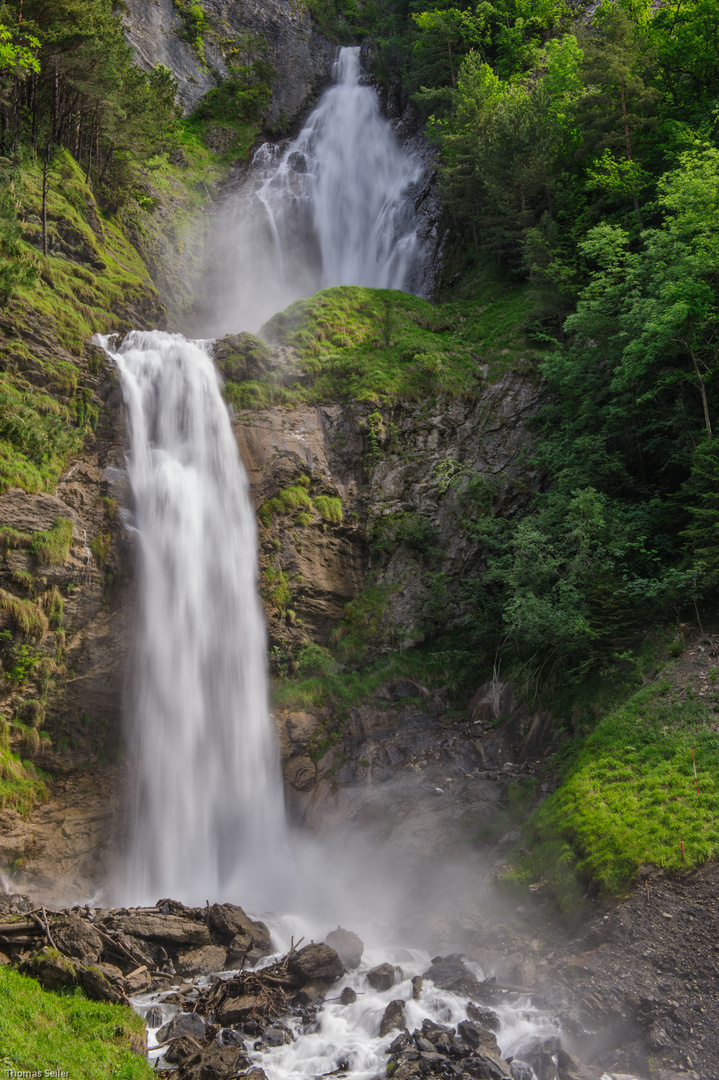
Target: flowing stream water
{"type": "Point", "coordinates": [333, 207]}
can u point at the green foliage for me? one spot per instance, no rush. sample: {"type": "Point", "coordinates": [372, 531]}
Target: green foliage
{"type": "Point", "coordinates": [21, 788]}
{"type": "Point", "coordinates": [28, 617]}
{"type": "Point", "coordinates": [18, 52]}
{"type": "Point", "coordinates": [416, 533]}
{"type": "Point", "coordinates": [54, 606]}
{"type": "Point", "coordinates": [42, 1031]}
{"type": "Point", "coordinates": [702, 494]}
{"type": "Point", "coordinates": [53, 546]}
{"type": "Point", "coordinates": [329, 507]}
{"type": "Point", "coordinates": [628, 797]}
{"type": "Point", "coordinates": [283, 502]}
{"type": "Point", "coordinates": [50, 546]}
{"type": "Point", "coordinates": [17, 266]}
{"type": "Point", "coordinates": [88, 95]}
{"type": "Point", "coordinates": [245, 93]}
{"type": "Point", "coordinates": [408, 529]}
{"type": "Point", "coordinates": [316, 660]}
{"type": "Point", "coordinates": [365, 629]}
{"type": "Point", "coordinates": [100, 548]}
{"type": "Point", "coordinates": [297, 497]}
{"type": "Point", "coordinates": [278, 589]}
{"type": "Point", "coordinates": [17, 660]}
{"type": "Point", "coordinates": [340, 335]}
{"type": "Point", "coordinates": [32, 713]}
{"type": "Point", "coordinates": [194, 25]}
{"type": "Point", "coordinates": [36, 437]}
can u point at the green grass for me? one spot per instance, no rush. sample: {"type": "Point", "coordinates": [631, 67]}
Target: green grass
{"type": "Point", "coordinates": [52, 546]}
{"type": "Point", "coordinates": [91, 280]}
{"type": "Point", "coordinates": [20, 785]}
{"type": "Point", "coordinates": [28, 617]}
{"type": "Point", "coordinates": [297, 497]}
{"type": "Point", "coordinates": [278, 588]}
{"type": "Point", "coordinates": [373, 345]}
{"type": "Point", "coordinates": [94, 280]}
{"type": "Point", "coordinates": [329, 507]}
{"type": "Point", "coordinates": [88, 1040]}
{"type": "Point", "coordinates": [628, 797]}
{"type": "Point", "coordinates": [291, 498]}
{"type": "Point", "coordinates": [49, 546]}
{"type": "Point", "coordinates": [491, 316]}
{"type": "Point", "coordinates": [37, 436]}
{"type": "Point", "coordinates": [93, 271]}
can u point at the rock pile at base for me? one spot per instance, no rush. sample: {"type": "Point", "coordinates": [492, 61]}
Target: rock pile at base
{"type": "Point", "coordinates": [210, 1041]}
{"type": "Point", "coordinates": [114, 953]}
{"type": "Point", "coordinates": [434, 1050]}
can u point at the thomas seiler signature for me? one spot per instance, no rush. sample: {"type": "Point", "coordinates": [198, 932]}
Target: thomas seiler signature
{"type": "Point", "coordinates": [35, 1074]}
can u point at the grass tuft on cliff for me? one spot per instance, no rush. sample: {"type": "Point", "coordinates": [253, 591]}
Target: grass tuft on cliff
{"type": "Point", "coordinates": [87, 1040]}
{"type": "Point", "coordinates": [629, 797]}
{"type": "Point", "coordinates": [21, 788]}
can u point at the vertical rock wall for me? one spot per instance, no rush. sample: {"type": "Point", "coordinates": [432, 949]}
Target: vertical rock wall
{"type": "Point", "coordinates": [302, 58]}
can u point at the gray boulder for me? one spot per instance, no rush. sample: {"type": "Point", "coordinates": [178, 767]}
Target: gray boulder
{"type": "Point", "coordinates": [348, 946]}
{"type": "Point", "coordinates": [393, 1017]}
{"type": "Point", "coordinates": [315, 962]}
{"type": "Point", "coordinates": [384, 976]}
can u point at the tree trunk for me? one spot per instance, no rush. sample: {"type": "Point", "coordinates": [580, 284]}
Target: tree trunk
{"type": "Point", "coordinates": [45, 171]}
{"type": "Point", "coordinates": [627, 136]}
{"type": "Point", "coordinates": [703, 392]}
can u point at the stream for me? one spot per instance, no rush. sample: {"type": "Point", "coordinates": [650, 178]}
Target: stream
{"type": "Point", "coordinates": [344, 1038]}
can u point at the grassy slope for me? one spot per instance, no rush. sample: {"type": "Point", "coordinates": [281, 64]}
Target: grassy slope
{"type": "Point", "coordinates": [628, 794]}
{"type": "Point", "coordinates": [95, 280]}
{"type": "Point", "coordinates": [88, 1040]}
{"type": "Point", "coordinates": [378, 346]}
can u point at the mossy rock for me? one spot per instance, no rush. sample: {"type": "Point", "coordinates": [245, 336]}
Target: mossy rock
{"type": "Point", "coordinates": [240, 357]}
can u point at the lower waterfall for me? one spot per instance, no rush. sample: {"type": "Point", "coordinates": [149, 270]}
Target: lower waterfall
{"type": "Point", "coordinates": [208, 815]}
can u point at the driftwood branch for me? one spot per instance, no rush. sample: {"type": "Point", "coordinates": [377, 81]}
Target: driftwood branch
{"type": "Point", "coordinates": [47, 931]}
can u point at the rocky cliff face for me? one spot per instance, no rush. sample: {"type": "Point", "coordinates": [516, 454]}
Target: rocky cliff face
{"type": "Point", "coordinates": [397, 474]}
{"type": "Point", "coordinates": [302, 58]}
{"type": "Point", "coordinates": [65, 588]}
{"type": "Point", "coordinates": [384, 498]}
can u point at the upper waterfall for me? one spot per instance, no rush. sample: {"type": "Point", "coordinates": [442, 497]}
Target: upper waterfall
{"type": "Point", "coordinates": [209, 813]}
{"type": "Point", "coordinates": [334, 207]}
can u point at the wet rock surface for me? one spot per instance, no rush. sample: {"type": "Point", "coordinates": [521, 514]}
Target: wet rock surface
{"type": "Point", "coordinates": [348, 946]}
{"type": "Point", "coordinates": [625, 991]}
{"type": "Point", "coordinates": [436, 1050]}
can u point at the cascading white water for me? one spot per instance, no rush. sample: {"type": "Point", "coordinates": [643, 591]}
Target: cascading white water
{"type": "Point", "coordinates": [333, 208]}
{"type": "Point", "coordinates": [209, 814]}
